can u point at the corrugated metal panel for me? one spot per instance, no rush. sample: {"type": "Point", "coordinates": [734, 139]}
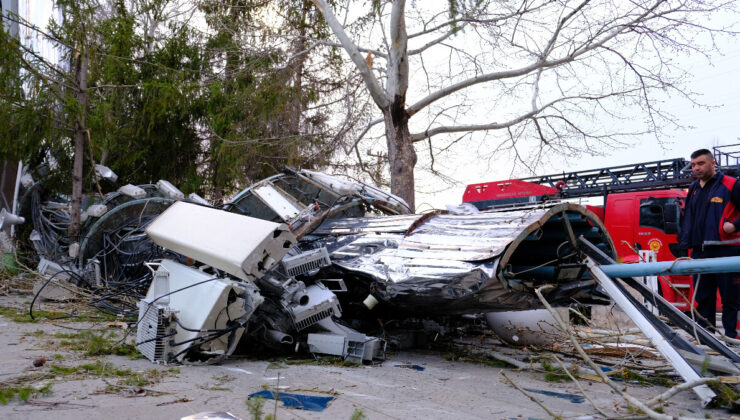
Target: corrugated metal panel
{"type": "Point", "coordinates": [447, 237]}
{"type": "Point", "coordinates": [355, 225]}
{"type": "Point", "coordinates": [454, 263]}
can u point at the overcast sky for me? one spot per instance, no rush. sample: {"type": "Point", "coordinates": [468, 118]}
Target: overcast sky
{"type": "Point", "coordinates": [717, 83]}
{"type": "Point", "coordinates": [719, 86]}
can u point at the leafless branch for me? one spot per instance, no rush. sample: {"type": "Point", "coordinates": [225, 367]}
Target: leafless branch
{"type": "Point", "coordinates": [371, 82]}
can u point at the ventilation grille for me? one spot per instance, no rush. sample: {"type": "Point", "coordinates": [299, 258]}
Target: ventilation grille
{"type": "Point", "coordinates": [355, 351]}
{"type": "Point", "coordinates": [312, 319]}
{"type": "Point", "coordinates": [305, 262]}
{"type": "Point", "coordinates": [153, 322]}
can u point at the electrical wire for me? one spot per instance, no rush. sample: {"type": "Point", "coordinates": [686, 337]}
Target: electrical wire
{"type": "Point", "coordinates": [46, 283]}
{"type": "Point", "coordinates": [150, 304]}
{"type": "Point", "coordinates": [231, 329]}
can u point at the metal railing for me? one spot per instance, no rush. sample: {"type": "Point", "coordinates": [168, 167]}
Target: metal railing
{"type": "Point", "coordinates": [641, 176]}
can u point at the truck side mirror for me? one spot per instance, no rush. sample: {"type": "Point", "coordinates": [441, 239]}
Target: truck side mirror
{"type": "Point", "coordinates": [672, 216]}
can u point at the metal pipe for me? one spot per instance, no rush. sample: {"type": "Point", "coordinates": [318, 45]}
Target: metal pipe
{"type": "Point", "coordinates": [681, 267]}
{"type": "Point", "coordinates": [677, 317]}
{"type": "Point", "coordinates": [678, 267]}
{"type": "Point", "coordinates": [546, 273]}
{"type": "Point", "coordinates": [278, 337]}
{"type": "Point", "coordinates": [684, 368]}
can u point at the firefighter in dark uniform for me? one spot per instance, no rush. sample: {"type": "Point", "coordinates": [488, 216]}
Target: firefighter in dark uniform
{"type": "Point", "coordinates": [711, 214]}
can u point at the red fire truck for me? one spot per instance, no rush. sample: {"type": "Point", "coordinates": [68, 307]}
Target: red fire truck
{"type": "Point", "coordinates": [642, 205]}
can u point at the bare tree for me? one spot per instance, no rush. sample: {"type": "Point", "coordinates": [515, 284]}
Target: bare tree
{"type": "Point", "coordinates": [574, 75]}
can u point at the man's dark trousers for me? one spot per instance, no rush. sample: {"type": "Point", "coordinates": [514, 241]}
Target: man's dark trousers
{"type": "Point", "coordinates": [729, 290]}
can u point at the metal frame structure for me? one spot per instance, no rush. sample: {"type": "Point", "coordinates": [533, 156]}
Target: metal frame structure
{"type": "Point", "coordinates": [728, 158]}
{"type": "Point", "coordinates": [644, 176]}
{"type": "Point", "coordinates": [652, 330]}
{"type": "Point", "coordinates": [640, 176]}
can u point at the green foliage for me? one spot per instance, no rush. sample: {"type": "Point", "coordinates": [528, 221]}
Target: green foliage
{"type": "Point", "coordinates": [23, 393]}
{"type": "Point", "coordinates": [149, 377]}
{"type": "Point", "coordinates": [16, 315]}
{"type": "Point", "coordinates": [634, 377]}
{"type": "Point", "coordinates": [705, 366]}
{"type": "Point", "coordinates": [103, 369]}
{"type": "Point", "coordinates": [23, 132]}
{"type": "Point", "coordinates": [553, 374]}
{"type": "Point", "coordinates": [255, 407]}
{"type": "Point", "coordinates": [23, 316]}
{"type": "Point", "coordinates": [207, 110]}
{"type": "Point", "coordinates": [63, 370]}
{"type": "Point", "coordinates": [727, 397]}
{"type": "Point", "coordinates": [256, 109]}
{"type": "Point", "coordinates": [93, 344]}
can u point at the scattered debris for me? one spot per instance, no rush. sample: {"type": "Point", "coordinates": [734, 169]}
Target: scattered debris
{"type": "Point", "coordinates": [301, 402]}
{"type": "Point", "coordinates": [177, 401]}
{"type": "Point", "coordinates": [211, 415]}
{"type": "Point", "coordinates": [306, 262]}
{"type": "Point", "coordinates": [301, 256]}
{"type": "Point", "coordinates": [576, 399]}
{"type": "Point", "coordinates": [412, 367]}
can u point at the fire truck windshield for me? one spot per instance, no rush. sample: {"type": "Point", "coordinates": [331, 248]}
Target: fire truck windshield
{"type": "Point", "coordinates": [661, 213]}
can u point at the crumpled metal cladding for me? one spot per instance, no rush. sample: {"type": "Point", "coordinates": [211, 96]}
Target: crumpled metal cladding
{"type": "Point", "coordinates": [453, 263]}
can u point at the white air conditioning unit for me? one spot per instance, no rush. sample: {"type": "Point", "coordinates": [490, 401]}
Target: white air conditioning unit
{"type": "Point", "coordinates": [189, 312]}
{"type": "Point", "coordinates": [243, 246]}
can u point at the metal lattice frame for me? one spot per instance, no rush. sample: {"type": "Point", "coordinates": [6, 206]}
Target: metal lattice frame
{"type": "Point", "coordinates": [641, 176]}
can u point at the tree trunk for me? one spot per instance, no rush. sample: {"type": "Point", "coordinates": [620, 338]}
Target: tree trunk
{"type": "Point", "coordinates": [79, 137]}
{"type": "Point", "coordinates": [217, 193]}
{"type": "Point", "coordinates": [392, 99]}
{"type": "Point", "coordinates": [297, 70]}
{"type": "Point", "coordinates": [401, 153]}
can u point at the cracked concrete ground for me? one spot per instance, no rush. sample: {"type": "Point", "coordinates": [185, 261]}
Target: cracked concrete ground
{"type": "Point", "coordinates": [443, 390]}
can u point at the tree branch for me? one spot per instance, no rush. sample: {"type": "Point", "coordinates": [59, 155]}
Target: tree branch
{"type": "Point", "coordinates": [398, 65]}
{"type": "Point", "coordinates": [497, 126]}
{"type": "Point", "coordinates": [592, 43]}
{"type": "Point", "coordinates": [376, 91]}
{"type": "Point", "coordinates": [363, 132]}
{"type": "Point", "coordinates": [431, 43]}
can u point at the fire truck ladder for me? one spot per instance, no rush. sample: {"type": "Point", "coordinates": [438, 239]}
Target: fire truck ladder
{"type": "Point", "coordinates": [728, 159]}
{"type": "Point", "coordinates": [641, 176]}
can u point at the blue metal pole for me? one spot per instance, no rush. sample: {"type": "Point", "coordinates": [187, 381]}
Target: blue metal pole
{"type": "Point", "coordinates": [681, 267]}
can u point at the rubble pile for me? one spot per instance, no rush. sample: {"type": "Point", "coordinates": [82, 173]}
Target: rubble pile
{"type": "Point", "coordinates": [304, 261]}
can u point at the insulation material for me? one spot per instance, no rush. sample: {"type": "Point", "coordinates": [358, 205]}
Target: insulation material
{"type": "Point", "coordinates": [465, 263]}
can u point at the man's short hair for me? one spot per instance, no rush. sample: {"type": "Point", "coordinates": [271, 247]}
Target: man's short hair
{"type": "Point", "coordinates": [702, 152]}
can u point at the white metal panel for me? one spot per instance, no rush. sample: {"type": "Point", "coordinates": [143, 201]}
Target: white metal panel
{"type": "Point", "coordinates": [199, 301]}
{"type": "Point", "coordinates": [132, 191]}
{"type": "Point", "coordinates": [651, 332]}
{"type": "Point", "coordinates": [651, 282]}
{"type": "Point", "coordinates": [242, 246]}
{"type": "Point", "coordinates": [280, 204]}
